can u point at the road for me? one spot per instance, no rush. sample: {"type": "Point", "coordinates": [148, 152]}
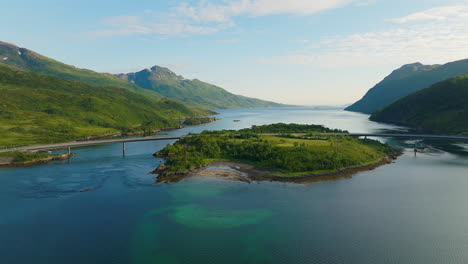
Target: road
{"type": "Point", "coordinates": [139, 139]}
{"type": "Point", "coordinates": [90, 143]}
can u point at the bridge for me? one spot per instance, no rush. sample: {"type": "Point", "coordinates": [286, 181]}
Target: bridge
{"type": "Point", "coordinates": [69, 145]}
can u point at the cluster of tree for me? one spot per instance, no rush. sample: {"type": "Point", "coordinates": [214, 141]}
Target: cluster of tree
{"type": "Point", "coordinates": [292, 128]}
{"type": "Point", "coordinates": [192, 121]}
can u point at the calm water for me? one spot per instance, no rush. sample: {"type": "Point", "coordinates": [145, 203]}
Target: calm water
{"type": "Point", "coordinates": [412, 211]}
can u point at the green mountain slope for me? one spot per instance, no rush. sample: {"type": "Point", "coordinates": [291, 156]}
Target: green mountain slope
{"type": "Point", "coordinates": [441, 108]}
{"type": "Point", "coordinates": [192, 92]}
{"type": "Point", "coordinates": [27, 60]}
{"type": "Point", "coordinates": [404, 81]}
{"type": "Point", "coordinates": [38, 108]}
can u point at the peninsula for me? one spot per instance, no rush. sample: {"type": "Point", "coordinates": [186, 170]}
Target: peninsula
{"type": "Point", "coordinates": [280, 152]}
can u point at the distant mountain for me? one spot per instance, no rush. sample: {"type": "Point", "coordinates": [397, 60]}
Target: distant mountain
{"type": "Point", "coordinates": [27, 60]}
{"type": "Point", "coordinates": [38, 108]}
{"type": "Point", "coordinates": [194, 93]}
{"type": "Point", "coordinates": [441, 108]}
{"type": "Point", "coordinates": [404, 81]}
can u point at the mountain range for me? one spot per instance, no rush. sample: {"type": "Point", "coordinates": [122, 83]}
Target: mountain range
{"type": "Point", "coordinates": [157, 82]}
{"type": "Point", "coordinates": [405, 81]}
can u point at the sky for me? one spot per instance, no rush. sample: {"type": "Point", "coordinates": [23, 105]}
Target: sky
{"type": "Point", "coordinates": [305, 52]}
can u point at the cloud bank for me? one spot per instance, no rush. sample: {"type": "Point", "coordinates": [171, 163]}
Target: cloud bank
{"type": "Point", "coordinates": [207, 17]}
{"type": "Point", "coordinates": [435, 35]}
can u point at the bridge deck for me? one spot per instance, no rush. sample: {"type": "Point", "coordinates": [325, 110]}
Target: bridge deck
{"type": "Point", "coordinates": [139, 139]}
{"type": "Point", "coordinates": [91, 143]}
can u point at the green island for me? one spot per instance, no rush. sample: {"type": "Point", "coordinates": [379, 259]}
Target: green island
{"type": "Point", "coordinates": [272, 152]}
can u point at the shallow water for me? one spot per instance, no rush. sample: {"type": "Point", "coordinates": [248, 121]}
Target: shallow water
{"type": "Point", "coordinates": [411, 211]}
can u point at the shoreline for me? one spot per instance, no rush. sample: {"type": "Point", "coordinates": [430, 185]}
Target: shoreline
{"type": "Point", "coordinates": [241, 171]}
{"type": "Point", "coordinates": [57, 157]}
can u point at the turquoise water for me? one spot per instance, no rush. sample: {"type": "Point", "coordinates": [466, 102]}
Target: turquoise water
{"type": "Point", "coordinates": [411, 211]}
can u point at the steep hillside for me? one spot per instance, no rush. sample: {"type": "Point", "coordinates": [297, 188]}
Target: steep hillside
{"type": "Point", "coordinates": [192, 92]}
{"type": "Point", "coordinates": [442, 108]}
{"type": "Point", "coordinates": [27, 60]}
{"type": "Point", "coordinates": [44, 109]}
{"type": "Point", "coordinates": [404, 81]}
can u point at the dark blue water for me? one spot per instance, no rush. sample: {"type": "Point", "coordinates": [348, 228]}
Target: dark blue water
{"type": "Point", "coordinates": [412, 211]}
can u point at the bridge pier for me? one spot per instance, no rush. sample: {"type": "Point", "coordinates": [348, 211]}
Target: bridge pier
{"type": "Point", "coordinates": [123, 149]}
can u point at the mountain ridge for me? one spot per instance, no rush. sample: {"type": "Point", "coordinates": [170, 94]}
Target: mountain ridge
{"type": "Point", "coordinates": [27, 60]}
{"type": "Point", "coordinates": [193, 92]}
{"type": "Point", "coordinates": [441, 108]}
{"type": "Point", "coordinates": [403, 81]}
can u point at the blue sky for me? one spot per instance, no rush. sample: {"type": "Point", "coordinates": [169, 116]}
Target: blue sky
{"type": "Point", "coordinates": [309, 52]}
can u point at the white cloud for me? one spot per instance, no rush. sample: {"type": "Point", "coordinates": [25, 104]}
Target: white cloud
{"type": "Point", "coordinates": [426, 40]}
{"type": "Point", "coordinates": [437, 14]}
{"type": "Point", "coordinates": [207, 17]}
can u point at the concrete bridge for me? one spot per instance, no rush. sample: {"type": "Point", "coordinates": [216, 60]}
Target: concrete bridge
{"type": "Point", "coordinates": [69, 145]}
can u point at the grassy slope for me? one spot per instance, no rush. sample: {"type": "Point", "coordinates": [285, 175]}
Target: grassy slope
{"type": "Point", "coordinates": [441, 108]}
{"type": "Point", "coordinates": [404, 81]}
{"type": "Point", "coordinates": [44, 109]}
{"type": "Point", "coordinates": [192, 92]}
{"type": "Point", "coordinates": [27, 60]}
{"type": "Point", "coordinates": [292, 156]}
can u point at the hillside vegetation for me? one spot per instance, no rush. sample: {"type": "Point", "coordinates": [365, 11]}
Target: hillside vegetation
{"type": "Point", "coordinates": [194, 93]}
{"type": "Point", "coordinates": [44, 109]}
{"type": "Point", "coordinates": [405, 81]}
{"type": "Point", "coordinates": [30, 61]}
{"type": "Point", "coordinates": [442, 108]}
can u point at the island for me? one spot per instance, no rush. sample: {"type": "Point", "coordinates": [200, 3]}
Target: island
{"type": "Point", "coordinates": [276, 152]}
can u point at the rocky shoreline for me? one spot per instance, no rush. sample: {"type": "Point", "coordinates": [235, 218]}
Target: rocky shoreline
{"type": "Point", "coordinates": [240, 171]}
{"type": "Point", "coordinates": [7, 162]}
